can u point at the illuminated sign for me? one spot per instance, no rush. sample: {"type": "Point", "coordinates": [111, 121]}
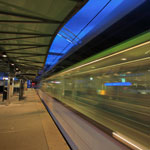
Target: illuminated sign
{"type": "Point", "coordinates": [57, 82]}
{"type": "Point", "coordinates": [28, 84]}
{"type": "Point", "coordinates": [123, 79]}
{"type": "Point", "coordinates": [5, 78]}
{"type": "Point", "coordinates": [118, 84]}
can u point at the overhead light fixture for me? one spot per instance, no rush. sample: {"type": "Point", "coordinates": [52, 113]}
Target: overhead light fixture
{"type": "Point", "coordinates": [93, 67]}
{"type": "Point", "coordinates": [17, 69]}
{"type": "Point", "coordinates": [123, 59]}
{"type": "Point", "coordinates": [12, 64]}
{"type": "Point", "coordinates": [64, 37]}
{"type": "Point", "coordinates": [91, 78]}
{"type": "Point", "coordinates": [4, 55]}
{"type": "Point", "coordinates": [128, 72]}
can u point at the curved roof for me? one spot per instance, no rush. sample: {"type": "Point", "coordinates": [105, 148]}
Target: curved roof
{"type": "Point", "coordinates": [27, 28]}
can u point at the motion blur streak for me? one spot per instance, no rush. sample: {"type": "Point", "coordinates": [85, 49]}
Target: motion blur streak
{"type": "Point", "coordinates": [126, 141]}
{"type": "Point", "coordinates": [131, 48]}
{"type": "Point", "coordinates": [113, 92]}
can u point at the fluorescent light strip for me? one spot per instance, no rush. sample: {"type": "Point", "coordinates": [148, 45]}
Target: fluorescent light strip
{"type": "Point", "coordinates": [109, 56]}
{"type": "Point", "coordinates": [105, 58]}
{"type": "Point", "coordinates": [114, 65]}
{"type": "Point", "coordinates": [108, 66]}
{"type": "Point", "coordinates": [64, 37]}
{"type": "Point", "coordinates": [116, 135]}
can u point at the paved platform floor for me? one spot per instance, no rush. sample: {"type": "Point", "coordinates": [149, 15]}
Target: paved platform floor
{"type": "Point", "coordinates": [26, 125]}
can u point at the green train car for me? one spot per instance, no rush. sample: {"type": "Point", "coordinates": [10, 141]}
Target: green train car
{"type": "Point", "coordinates": [111, 88]}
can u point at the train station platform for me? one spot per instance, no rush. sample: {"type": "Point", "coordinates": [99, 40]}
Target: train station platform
{"type": "Point", "coordinates": [26, 125]}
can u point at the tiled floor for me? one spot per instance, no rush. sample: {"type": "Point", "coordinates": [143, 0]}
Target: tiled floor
{"type": "Point", "coordinates": [26, 125]}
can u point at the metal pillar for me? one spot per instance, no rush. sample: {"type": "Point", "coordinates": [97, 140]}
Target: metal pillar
{"type": "Point", "coordinates": [8, 89]}
{"type": "Point", "coordinates": [4, 90]}
{"type": "Point", "coordinates": [25, 85]}
{"type": "Point", "coordinates": [11, 87]}
{"type": "Point", "coordinates": [21, 89]}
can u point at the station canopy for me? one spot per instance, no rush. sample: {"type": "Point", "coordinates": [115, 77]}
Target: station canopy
{"type": "Point", "coordinates": [27, 29]}
{"type": "Point", "coordinates": [97, 26]}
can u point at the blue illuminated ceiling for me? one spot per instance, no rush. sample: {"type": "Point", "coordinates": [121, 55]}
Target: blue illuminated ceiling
{"type": "Point", "coordinates": [91, 20]}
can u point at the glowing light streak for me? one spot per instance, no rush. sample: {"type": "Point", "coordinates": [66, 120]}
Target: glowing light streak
{"type": "Point", "coordinates": [128, 142]}
{"type": "Point", "coordinates": [128, 49]}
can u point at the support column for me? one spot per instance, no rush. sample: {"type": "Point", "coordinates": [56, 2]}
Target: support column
{"type": "Point", "coordinates": [4, 90]}
{"type": "Point", "coordinates": [13, 84]}
{"type": "Point", "coordinates": [11, 91]}
{"type": "Point", "coordinates": [21, 89]}
{"type": "Point", "coordinates": [8, 89]}
{"type": "Point", "coordinates": [25, 85]}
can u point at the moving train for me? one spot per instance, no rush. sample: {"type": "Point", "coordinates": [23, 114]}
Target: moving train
{"type": "Point", "coordinates": [111, 88]}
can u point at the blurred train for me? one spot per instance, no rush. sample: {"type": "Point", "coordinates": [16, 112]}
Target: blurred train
{"type": "Point", "coordinates": [111, 88]}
